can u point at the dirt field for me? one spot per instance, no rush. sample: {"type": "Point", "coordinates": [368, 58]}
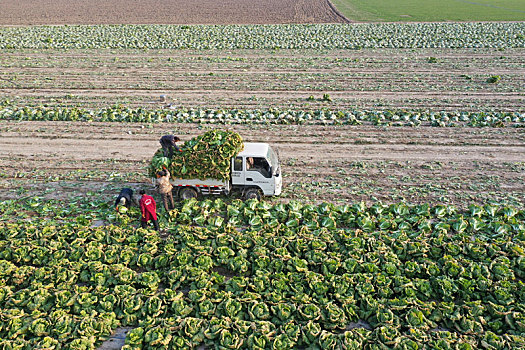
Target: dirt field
{"type": "Point", "coordinates": [340, 164]}
{"type": "Point", "coordinates": [35, 12]}
{"type": "Point", "coordinates": [373, 79]}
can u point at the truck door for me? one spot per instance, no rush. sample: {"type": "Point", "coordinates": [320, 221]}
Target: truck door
{"type": "Point", "coordinates": [238, 175]}
{"type": "Point", "coordinates": [258, 173]}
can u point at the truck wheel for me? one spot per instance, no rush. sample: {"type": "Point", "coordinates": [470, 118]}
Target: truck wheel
{"type": "Point", "coordinates": [188, 193]}
{"type": "Point", "coordinates": [252, 193]}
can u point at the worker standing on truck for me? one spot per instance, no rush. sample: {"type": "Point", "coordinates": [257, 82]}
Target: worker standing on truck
{"type": "Point", "coordinates": [148, 208]}
{"type": "Point", "coordinates": [169, 144]}
{"type": "Point", "coordinates": [124, 199]}
{"type": "Point", "coordinates": [165, 188]}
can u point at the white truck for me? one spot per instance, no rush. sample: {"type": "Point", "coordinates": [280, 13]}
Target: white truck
{"type": "Point", "coordinates": [255, 172]}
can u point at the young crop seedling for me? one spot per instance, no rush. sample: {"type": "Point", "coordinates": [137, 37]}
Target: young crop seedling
{"type": "Point", "coordinates": [493, 79]}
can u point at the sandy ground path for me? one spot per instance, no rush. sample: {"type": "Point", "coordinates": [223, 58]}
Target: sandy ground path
{"type": "Point", "coordinates": [77, 149]}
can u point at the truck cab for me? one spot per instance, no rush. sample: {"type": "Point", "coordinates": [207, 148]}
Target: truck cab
{"type": "Point", "coordinates": [256, 171]}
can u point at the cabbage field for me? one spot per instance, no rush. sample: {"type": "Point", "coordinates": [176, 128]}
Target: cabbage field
{"type": "Point", "coordinates": [410, 118]}
{"type": "Point", "coordinates": [401, 223]}
{"type": "Point", "coordinates": [232, 275]}
{"type": "Point", "coordinates": [500, 35]}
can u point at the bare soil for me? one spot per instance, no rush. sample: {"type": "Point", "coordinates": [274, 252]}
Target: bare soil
{"type": "Point", "coordinates": [117, 340]}
{"type": "Point", "coordinates": [371, 79]}
{"type": "Point", "coordinates": [339, 164]}
{"type": "Point", "coordinates": [42, 12]}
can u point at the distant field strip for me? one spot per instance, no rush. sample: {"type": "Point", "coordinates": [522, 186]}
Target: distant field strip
{"type": "Point", "coordinates": [432, 10]}
{"type": "Point", "coordinates": [44, 12]}
{"type": "Point", "coordinates": [320, 36]}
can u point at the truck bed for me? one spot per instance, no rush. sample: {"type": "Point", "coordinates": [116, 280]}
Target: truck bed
{"type": "Point", "coordinates": [200, 183]}
{"type": "Point", "coordinates": [207, 186]}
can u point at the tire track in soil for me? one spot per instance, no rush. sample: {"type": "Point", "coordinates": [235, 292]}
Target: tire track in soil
{"type": "Point", "coordinates": [338, 13]}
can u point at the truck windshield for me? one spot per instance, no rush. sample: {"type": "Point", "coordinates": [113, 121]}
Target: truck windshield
{"type": "Point", "coordinates": [273, 160]}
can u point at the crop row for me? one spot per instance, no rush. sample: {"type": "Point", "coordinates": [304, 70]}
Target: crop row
{"type": "Point", "coordinates": [320, 36]}
{"type": "Point", "coordinates": [271, 116]}
{"type": "Point", "coordinates": [234, 275]}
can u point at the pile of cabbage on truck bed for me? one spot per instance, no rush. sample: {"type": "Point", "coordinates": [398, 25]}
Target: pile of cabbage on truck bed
{"type": "Point", "coordinates": [202, 157]}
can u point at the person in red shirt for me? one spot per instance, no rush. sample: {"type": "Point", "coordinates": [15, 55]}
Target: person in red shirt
{"type": "Point", "coordinates": [148, 208]}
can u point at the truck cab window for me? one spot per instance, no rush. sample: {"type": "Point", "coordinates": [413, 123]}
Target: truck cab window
{"type": "Point", "coordinates": [258, 164]}
{"type": "Point", "coordinates": [237, 164]}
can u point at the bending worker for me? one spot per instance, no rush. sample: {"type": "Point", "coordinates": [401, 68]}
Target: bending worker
{"type": "Point", "coordinates": [169, 144]}
{"type": "Point", "coordinates": [148, 209]}
{"type": "Point", "coordinates": [124, 198]}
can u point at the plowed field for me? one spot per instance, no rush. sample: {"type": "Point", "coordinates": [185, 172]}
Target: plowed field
{"type": "Point", "coordinates": [336, 163]}
{"type": "Point", "coordinates": [371, 78]}
{"type": "Point", "coordinates": [32, 12]}
{"type": "Point", "coordinates": [339, 164]}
